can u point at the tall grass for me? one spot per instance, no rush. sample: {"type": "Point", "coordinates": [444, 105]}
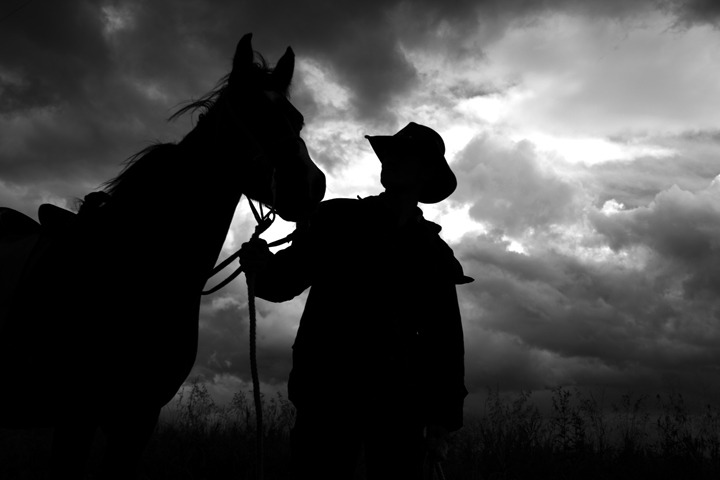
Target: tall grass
{"type": "Point", "coordinates": [581, 437]}
{"type": "Point", "coordinates": [198, 439]}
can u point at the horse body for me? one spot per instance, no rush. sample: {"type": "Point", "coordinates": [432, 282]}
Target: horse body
{"type": "Point", "coordinates": [105, 329]}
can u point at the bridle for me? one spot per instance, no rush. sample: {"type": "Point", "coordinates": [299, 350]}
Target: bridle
{"type": "Point", "coordinates": [264, 220]}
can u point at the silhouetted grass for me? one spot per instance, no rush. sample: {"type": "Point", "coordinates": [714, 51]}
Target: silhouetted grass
{"type": "Point", "coordinates": [581, 438]}
{"type": "Point", "coordinates": [196, 439]}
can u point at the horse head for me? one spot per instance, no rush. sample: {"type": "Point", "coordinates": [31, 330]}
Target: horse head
{"type": "Point", "coordinates": [293, 185]}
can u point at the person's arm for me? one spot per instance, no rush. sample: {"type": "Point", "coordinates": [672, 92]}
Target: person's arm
{"type": "Point", "coordinates": [289, 272]}
{"type": "Point", "coordinates": [282, 276]}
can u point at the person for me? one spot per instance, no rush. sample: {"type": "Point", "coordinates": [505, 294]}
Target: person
{"type": "Point", "coordinates": [378, 356]}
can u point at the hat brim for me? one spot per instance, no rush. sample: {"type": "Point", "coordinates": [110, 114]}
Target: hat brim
{"type": "Point", "coordinates": [443, 182]}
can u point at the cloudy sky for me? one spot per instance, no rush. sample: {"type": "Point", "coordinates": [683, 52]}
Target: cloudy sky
{"type": "Point", "coordinates": [585, 137]}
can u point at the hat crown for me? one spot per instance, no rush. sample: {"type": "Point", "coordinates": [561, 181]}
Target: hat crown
{"type": "Point", "coordinates": [422, 134]}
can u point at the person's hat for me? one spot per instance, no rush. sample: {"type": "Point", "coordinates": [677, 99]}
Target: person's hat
{"type": "Point", "coordinates": [425, 145]}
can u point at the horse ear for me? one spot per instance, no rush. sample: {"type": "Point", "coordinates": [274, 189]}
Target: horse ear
{"type": "Point", "coordinates": [283, 73]}
{"type": "Point", "coordinates": [243, 53]}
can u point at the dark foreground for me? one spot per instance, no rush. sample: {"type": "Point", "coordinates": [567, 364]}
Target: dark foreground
{"type": "Point", "coordinates": [578, 440]}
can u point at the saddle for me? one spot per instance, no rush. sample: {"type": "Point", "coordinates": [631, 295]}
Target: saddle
{"type": "Point", "coordinates": [22, 244]}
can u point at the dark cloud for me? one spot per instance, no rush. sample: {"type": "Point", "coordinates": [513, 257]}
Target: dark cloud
{"type": "Point", "coordinates": [549, 319]}
{"type": "Point", "coordinates": [692, 12]}
{"type": "Point", "coordinates": [636, 183]}
{"type": "Point", "coordinates": [45, 49]}
{"type": "Point", "coordinates": [507, 187]}
{"type": "Point", "coordinates": [682, 228]}
{"type": "Point", "coordinates": [358, 42]}
{"type": "Point", "coordinates": [628, 184]}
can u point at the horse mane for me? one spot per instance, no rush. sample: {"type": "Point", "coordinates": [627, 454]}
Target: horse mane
{"type": "Point", "coordinates": [146, 166]}
{"type": "Point", "coordinates": [139, 169]}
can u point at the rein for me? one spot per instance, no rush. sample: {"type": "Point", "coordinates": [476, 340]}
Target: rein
{"type": "Point", "coordinates": [221, 266]}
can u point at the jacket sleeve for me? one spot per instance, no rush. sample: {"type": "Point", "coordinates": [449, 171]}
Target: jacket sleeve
{"type": "Point", "coordinates": [445, 357]}
{"type": "Point", "coordinates": [292, 270]}
{"type": "Point", "coordinates": [444, 343]}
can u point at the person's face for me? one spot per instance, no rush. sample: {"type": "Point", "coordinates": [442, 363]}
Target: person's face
{"type": "Point", "coordinates": [403, 173]}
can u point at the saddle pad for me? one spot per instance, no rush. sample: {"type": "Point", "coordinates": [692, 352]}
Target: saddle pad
{"type": "Point", "coordinates": [53, 217]}
{"type": "Point", "coordinates": [13, 222]}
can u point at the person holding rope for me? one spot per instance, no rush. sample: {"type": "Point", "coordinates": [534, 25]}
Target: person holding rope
{"type": "Point", "coordinates": [378, 361]}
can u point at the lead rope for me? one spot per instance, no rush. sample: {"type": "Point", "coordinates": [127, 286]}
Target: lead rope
{"type": "Point", "coordinates": [263, 223]}
{"type": "Point", "coordinates": [250, 277]}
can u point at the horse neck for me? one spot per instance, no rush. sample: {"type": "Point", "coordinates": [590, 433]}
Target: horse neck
{"type": "Point", "coordinates": [205, 178]}
{"type": "Point", "coordinates": [220, 180]}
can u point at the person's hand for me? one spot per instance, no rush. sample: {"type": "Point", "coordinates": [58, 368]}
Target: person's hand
{"type": "Point", "coordinates": [436, 442]}
{"type": "Point", "coordinates": [255, 255]}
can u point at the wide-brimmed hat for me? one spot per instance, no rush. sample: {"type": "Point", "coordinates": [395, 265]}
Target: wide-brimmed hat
{"type": "Point", "coordinates": [424, 145]}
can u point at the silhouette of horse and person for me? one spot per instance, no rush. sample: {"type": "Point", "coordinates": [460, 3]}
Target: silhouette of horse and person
{"type": "Point", "coordinates": [110, 297]}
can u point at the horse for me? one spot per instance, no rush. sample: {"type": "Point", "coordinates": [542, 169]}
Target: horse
{"type": "Point", "coordinates": [103, 328]}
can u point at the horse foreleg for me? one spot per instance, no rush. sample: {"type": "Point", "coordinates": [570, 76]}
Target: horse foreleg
{"type": "Point", "coordinates": [70, 448]}
{"type": "Point", "coordinates": [127, 436]}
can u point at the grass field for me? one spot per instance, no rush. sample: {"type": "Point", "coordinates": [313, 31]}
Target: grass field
{"type": "Point", "coordinates": [579, 439]}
